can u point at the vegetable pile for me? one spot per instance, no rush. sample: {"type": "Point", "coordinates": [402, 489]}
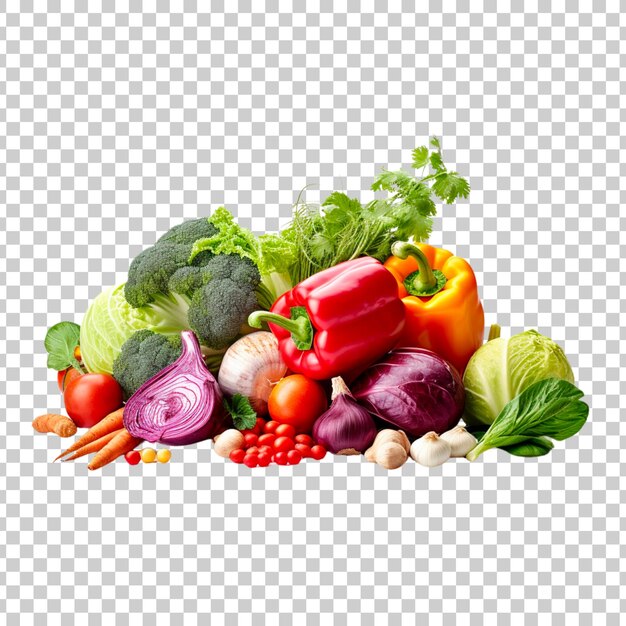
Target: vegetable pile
{"type": "Point", "coordinates": [343, 333]}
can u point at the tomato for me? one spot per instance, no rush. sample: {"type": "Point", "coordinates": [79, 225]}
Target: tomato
{"type": "Point", "coordinates": [90, 397]}
{"type": "Point", "coordinates": [283, 444]}
{"type": "Point", "coordinates": [285, 430]}
{"type": "Point", "coordinates": [281, 458]}
{"type": "Point", "coordinates": [258, 426]}
{"type": "Point", "coordinates": [251, 460]}
{"type": "Point", "coordinates": [318, 452]}
{"type": "Point", "coordinates": [298, 401]}
{"type": "Point", "coordinates": [133, 457]}
{"type": "Point", "coordinates": [252, 450]}
{"type": "Point", "coordinates": [267, 439]}
{"type": "Point", "coordinates": [65, 377]}
{"type": "Point", "coordinates": [237, 456]}
{"type": "Point", "coordinates": [304, 450]}
{"type": "Point", "coordinates": [294, 457]}
{"type": "Point", "coordinates": [270, 427]}
{"type": "Point", "coordinates": [264, 459]}
{"type": "Point", "coordinates": [250, 440]}
{"type": "Point", "coordinates": [305, 439]}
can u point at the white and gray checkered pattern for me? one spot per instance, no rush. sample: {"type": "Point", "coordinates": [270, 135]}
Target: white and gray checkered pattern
{"type": "Point", "coordinates": [118, 119]}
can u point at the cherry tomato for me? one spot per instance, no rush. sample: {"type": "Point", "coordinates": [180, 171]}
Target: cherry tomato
{"type": "Point", "coordinates": [247, 431]}
{"type": "Point", "coordinates": [251, 460]}
{"type": "Point", "coordinates": [318, 452]}
{"type": "Point", "coordinates": [305, 439]}
{"type": "Point", "coordinates": [252, 450]}
{"type": "Point", "coordinates": [267, 439]}
{"type": "Point", "coordinates": [298, 401]}
{"type": "Point", "coordinates": [294, 457]}
{"type": "Point", "coordinates": [237, 456]}
{"type": "Point", "coordinates": [285, 430]}
{"type": "Point", "coordinates": [283, 444]}
{"type": "Point", "coordinates": [305, 450]}
{"type": "Point", "coordinates": [65, 377]}
{"type": "Point", "coordinates": [250, 440]}
{"type": "Point", "coordinates": [270, 426]}
{"type": "Point", "coordinates": [281, 458]}
{"type": "Point", "coordinates": [264, 459]}
{"type": "Point", "coordinates": [90, 397]}
{"type": "Point", "coordinates": [133, 457]}
{"type": "Point", "coordinates": [258, 426]}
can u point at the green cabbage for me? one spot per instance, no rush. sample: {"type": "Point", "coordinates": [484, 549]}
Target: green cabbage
{"type": "Point", "coordinates": [110, 321]}
{"type": "Point", "coordinates": [502, 368]}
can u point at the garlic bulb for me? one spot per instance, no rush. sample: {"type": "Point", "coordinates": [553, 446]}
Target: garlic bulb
{"type": "Point", "coordinates": [461, 442]}
{"type": "Point", "coordinates": [390, 455]}
{"type": "Point", "coordinates": [251, 367]}
{"type": "Point", "coordinates": [430, 450]}
{"type": "Point", "coordinates": [226, 442]}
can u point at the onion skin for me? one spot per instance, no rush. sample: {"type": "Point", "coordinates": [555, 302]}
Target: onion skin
{"type": "Point", "coordinates": [414, 389]}
{"type": "Point", "coordinates": [345, 427]}
{"type": "Point", "coordinates": [251, 367]}
{"type": "Point", "coordinates": [181, 405]}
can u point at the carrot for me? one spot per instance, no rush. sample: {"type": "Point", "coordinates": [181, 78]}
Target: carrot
{"type": "Point", "coordinates": [122, 443]}
{"type": "Point", "coordinates": [53, 423]}
{"type": "Point", "coordinates": [113, 421]}
{"type": "Point", "coordinates": [94, 446]}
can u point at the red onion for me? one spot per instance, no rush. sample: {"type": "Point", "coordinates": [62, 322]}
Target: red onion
{"type": "Point", "coordinates": [346, 427]}
{"type": "Point", "coordinates": [180, 405]}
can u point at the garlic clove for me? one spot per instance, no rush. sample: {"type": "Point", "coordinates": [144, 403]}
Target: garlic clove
{"type": "Point", "coordinates": [461, 442]}
{"type": "Point", "coordinates": [226, 442]}
{"type": "Point", "coordinates": [430, 450]}
{"type": "Point", "coordinates": [390, 455]}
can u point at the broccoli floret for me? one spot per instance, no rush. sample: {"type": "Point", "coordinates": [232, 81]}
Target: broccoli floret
{"type": "Point", "coordinates": [187, 280]}
{"type": "Point", "coordinates": [188, 232]}
{"type": "Point", "coordinates": [220, 309]}
{"type": "Point", "coordinates": [239, 269]}
{"type": "Point", "coordinates": [143, 355]}
{"type": "Point", "coordinates": [150, 272]}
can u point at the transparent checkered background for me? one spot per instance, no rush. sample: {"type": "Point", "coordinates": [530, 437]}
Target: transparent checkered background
{"type": "Point", "coordinates": [118, 119]}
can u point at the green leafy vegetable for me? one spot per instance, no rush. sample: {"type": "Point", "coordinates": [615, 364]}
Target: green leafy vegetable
{"type": "Point", "coordinates": [502, 368]}
{"type": "Point", "coordinates": [536, 446]}
{"type": "Point", "coordinates": [60, 342]}
{"type": "Point", "coordinates": [343, 228]}
{"type": "Point", "coordinates": [240, 409]}
{"type": "Point", "coordinates": [548, 408]}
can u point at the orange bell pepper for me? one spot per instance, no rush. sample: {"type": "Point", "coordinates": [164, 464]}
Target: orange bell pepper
{"type": "Point", "coordinates": [443, 310]}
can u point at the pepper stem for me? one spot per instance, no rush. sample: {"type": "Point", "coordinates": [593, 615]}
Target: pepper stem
{"type": "Point", "coordinates": [494, 332]}
{"type": "Point", "coordinates": [424, 282]}
{"type": "Point", "coordinates": [299, 325]}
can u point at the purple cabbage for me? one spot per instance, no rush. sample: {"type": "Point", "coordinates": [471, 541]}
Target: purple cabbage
{"type": "Point", "coordinates": [180, 405]}
{"type": "Point", "coordinates": [413, 389]}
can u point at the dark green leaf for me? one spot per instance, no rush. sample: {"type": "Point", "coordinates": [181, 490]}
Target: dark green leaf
{"type": "Point", "coordinates": [548, 408]}
{"type": "Point", "coordinates": [420, 157]}
{"type": "Point", "coordinates": [240, 409]}
{"type": "Point", "coordinates": [536, 446]}
{"type": "Point", "coordinates": [60, 342]}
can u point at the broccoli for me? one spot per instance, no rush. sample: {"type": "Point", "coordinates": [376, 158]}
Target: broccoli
{"type": "Point", "coordinates": [184, 285]}
{"type": "Point", "coordinates": [150, 272]}
{"type": "Point", "coordinates": [189, 232]}
{"type": "Point", "coordinates": [187, 280]}
{"type": "Point", "coordinates": [143, 355]}
{"type": "Point", "coordinates": [221, 306]}
{"type": "Point", "coordinates": [219, 310]}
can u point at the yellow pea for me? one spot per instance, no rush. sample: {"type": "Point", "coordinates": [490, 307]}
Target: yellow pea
{"type": "Point", "coordinates": [164, 455]}
{"type": "Point", "coordinates": [148, 455]}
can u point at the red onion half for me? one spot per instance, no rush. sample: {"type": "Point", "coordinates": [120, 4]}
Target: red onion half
{"type": "Point", "coordinates": [180, 405]}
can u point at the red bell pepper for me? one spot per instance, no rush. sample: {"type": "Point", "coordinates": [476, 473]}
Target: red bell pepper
{"type": "Point", "coordinates": [337, 321]}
